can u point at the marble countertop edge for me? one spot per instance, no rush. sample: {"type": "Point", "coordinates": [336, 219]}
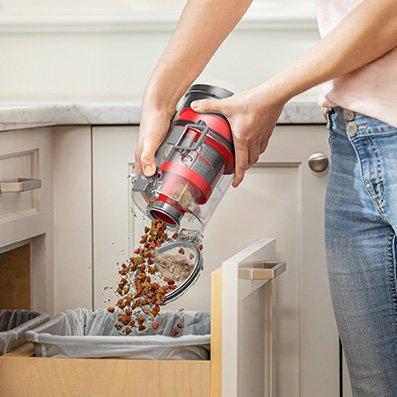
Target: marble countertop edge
{"type": "Point", "coordinates": [14, 116]}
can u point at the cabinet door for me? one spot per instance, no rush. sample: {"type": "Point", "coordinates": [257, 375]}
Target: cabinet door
{"type": "Point", "coordinates": [72, 217]}
{"type": "Point", "coordinates": [280, 197]}
{"type": "Point", "coordinates": [27, 215]}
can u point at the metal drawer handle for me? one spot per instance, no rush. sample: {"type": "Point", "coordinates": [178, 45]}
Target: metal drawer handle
{"type": "Point", "coordinates": [262, 271]}
{"type": "Point", "coordinates": [19, 185]}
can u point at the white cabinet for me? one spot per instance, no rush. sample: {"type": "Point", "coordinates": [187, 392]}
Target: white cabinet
{"type": "Point", "coordinates": [280, 197]}
{"type": "Point", "coordinates": [55, 219]}
{"type": "Point", "coordinates": [82, 222]}
{"type": "Point", "coordinates": [27, 216]}
{"type": "Point", "coordinates": [72, 197]}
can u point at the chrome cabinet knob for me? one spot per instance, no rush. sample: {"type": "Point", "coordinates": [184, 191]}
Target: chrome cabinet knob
{"type": "Point", "coordinates": [318, 162]}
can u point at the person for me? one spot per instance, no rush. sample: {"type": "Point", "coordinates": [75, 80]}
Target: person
{"type": "Point", "coordinates": [357, 57]}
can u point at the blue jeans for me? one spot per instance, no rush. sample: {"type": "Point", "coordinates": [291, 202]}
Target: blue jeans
{"type": "Point", "coordinates": [360, 231]}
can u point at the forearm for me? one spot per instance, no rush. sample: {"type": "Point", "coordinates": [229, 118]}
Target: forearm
{"type": "Point", "coordinates": [367, 33]}
{"type": "Point", "coordinates": [203, 26]}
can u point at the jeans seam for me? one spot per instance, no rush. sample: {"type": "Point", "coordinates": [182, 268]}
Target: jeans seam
{"type": "Point", "coordinates": [331, 137]}
{"type": "Point", "coordinates": [371, 196]}
{"type": "Point", "coordinates": [392, 273]}
{"type": "Point", "coordinates": [374, 134]}
{"type": "Point", "coordinates": [379, 177]}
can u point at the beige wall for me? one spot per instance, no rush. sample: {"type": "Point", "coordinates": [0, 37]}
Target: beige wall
{"type": "Point", "coordinates": [107, 54]}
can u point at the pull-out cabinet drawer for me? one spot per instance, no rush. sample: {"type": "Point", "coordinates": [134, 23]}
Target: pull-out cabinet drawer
{"type": "Point", "coordinates": [241, 362]}
{"type": "Point", "coordinates": [244, 319]}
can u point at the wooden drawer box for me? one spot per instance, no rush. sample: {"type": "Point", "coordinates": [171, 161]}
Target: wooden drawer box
{"type": "Point", "coordinates": [242, 355]}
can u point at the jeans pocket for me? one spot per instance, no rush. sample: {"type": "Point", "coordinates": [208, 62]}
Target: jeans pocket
{"type": "Point", "coordinates": [368, 126]}
{"type": "Point", "coordinates": [372, 170]}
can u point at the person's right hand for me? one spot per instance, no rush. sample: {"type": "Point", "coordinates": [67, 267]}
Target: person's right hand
{"type": "Point", "coordinates": [152, 131]}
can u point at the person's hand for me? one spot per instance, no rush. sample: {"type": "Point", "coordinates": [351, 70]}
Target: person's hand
{"type": "Point", "coordinates": [152, 131]}
{"type": "Point", "coordinates": [252, 115]}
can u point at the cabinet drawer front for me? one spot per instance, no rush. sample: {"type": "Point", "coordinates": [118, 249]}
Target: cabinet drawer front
{"type": "Point", "coordinates": [247, 322]}
{"type": "Point", "coordinates": [25, 179]}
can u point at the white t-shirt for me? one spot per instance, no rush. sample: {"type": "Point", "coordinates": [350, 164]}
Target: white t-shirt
{"type": "Point", "coordinates": [371, 89]}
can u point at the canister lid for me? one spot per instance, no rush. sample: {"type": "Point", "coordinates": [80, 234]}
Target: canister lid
{"type": "Point", "coordinates": [179, 260]}
{"type": "Point", "coordinates": [210, 90]}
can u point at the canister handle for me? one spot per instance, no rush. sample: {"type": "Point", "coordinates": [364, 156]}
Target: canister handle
{"type": "Point", "coordinates": [201, 127]}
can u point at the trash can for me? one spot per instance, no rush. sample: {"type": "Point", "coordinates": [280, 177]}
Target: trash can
{"type": "Point", "coordinates": [14, 324]}
{"type": "Point", "coordinates": [84, 333]}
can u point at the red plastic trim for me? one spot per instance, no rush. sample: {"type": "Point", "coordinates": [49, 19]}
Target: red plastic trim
{"type": "Point", "coordinates": [224, 152]}
{"type": "Point", "coordinates": [213, 121]}
{"type": "Point", "coordinates": [164, 198]}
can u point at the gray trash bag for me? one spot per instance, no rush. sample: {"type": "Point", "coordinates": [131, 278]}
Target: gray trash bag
{"type": "Point", "coordinates": [85, 333]}
{"type": "Point", "coordinates": [14, 324]}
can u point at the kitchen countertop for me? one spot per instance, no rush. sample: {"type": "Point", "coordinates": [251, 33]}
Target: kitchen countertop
{"type": "Point", "coordinates": [28, 115]}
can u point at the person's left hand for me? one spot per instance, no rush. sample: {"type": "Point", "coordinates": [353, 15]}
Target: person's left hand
{"type": "Point", "coordinates": [252, 115]}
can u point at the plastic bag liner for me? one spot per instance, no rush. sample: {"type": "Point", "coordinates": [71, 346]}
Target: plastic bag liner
{"type": "Point", "coordinates": [86, 333]}
{"type": "Point", "coordinates": [14, 324]}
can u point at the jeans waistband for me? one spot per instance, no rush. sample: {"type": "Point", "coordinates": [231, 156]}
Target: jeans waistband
{"type": "Point", "coordinates": [357, 125]}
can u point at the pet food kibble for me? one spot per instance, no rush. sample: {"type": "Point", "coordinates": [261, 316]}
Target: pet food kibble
{"type": "Point", "coordinates": [123, 318]}
{"type": "Point", "coordinates": [141, 319]}
{"type": "Point", "coordinates": [146, 281]}
{"type": "Point", "coordinates": [180, 324]}
{"type": "Point", "coordinates": [126, 289]}
{"type": "Point", "coordinates": [174, 332]}
{"type": "Point", "coordinates": [155, 325]}
{"type": "Point", "coordinates": [142, 267]}
{"type": "Point", "coordinates": [123, 272]}
{"type": "Point", "coordinates": [169, 280]}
